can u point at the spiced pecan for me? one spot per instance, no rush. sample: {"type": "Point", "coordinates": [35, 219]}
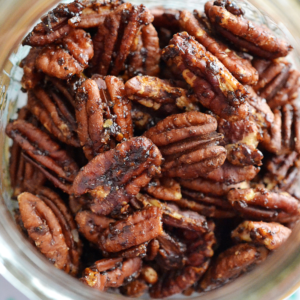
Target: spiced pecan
{"type": "Point", "coordinates": [113, 177]}
{"type": "Point", "coordinates": [231, 264]}
{"type": "Point", "coordinates": [44, 153]}
{"type": "Point", "coordinates": [111, 272]}
{"type": "Point", "coordinates": [243, 33]}
{"type": "Point", "coordinates": [189, 144]}
{"type": "Point", "coordinates": [265, 205]}
{"type": "Point", "coordinates": [50, 224]}
{"type": "Point", "coordinates": [135, 288]}
{"type": "Point", "coordinates": [271, 235]}
{"type": "Point", "coordinates": [213, 84]}
{"type": "Point", "coordinates": [102, 114]}
{"type": "Point", "coordinates": [240, 68]}
{"type": "Point", "coordinates": [152, 249]}
{"type": "Point", "coordinates": [138, 228]}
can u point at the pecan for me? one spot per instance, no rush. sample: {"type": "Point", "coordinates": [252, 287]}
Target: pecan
{"type": "Point", "coordinates": [265, 205]}
{"type": "Point", "coordinates": [111, 272]}
{"type": "Point", "coordinates": [231, 264]}
{"type": "Point", "coordinates": [188, 142]}
{"type": "Point", "coordinates": [270, 235]}
{"type": "Point", "coordinates": [51, 226]}
{"type": "Point", "coordinates": [44, 153]}
{"type": "Point", "coordinates": [149, 274]}
{"type": "Point", "coordinates": [152, 250]}
{"type": "Point", "coordinates": [116, 175]}
{"type": "Point", "coordinates": [213, 84]}
{"type": "Point", "coordinates": [154, 92]}
{"type": "Point", "coordinates": [102, 114]}
{"type": "Point", "coordinates": [116, 35]}
{"type": "Point", "coordinates": [240, 68]}
{"type": "Point", "coordinates": [256, 39]}
{"type": "Point", "coordinates": [135, 288]}
{"type": "Point", "coordinates": [138, 228]}
{"type": "Point", "coordinates": [166, 18]}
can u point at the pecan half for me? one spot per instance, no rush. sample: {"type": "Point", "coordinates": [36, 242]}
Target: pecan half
{"type": "Point", "coordinates": [111, 272]}
{"type": "Point", "coordinates": [231, 264]}
{"type": "Point", "coordinates": [135, 288]}
{"type": "Point", "coordinates": [257, 39]}
{"type": "Point", "coordinates": [265, 205]}
{"type": "Point", "coordinates": [44, 153]}
{"type": "Point", "coordinates": [116, 175]}
{"type": "Point", "coordinates": [51, 226]}
{"type": "Point", "coordinates": [189, 144]}
{"type": "Point", "coordinates": [270, 235]}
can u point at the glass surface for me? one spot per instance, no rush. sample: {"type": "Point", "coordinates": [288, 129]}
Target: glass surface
{"type": "Point", "coordinates": [29, 271]}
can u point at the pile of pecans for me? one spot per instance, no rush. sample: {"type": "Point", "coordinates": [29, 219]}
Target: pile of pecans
{"type": "Point", "coordinates": [159, 150]}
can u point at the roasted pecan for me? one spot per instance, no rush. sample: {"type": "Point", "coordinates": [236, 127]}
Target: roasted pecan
{"type": "Point", "coordinates": [44, 153]}
{"type": "Point", "coordinates": [265, 205]}
{"type": "Point", "coordinates": [50, 224]}
{"type": "Point", "coordinates": [138, 228]}
{"type": "Point", "coordinates": [102, 114]}
{"type": "Point", "coordinates": [135, 288]}
{"type": "Point", "coordinates": [256, 39]}
{"type": "Point", "coordinates": [240, 68]}
{"type": "Point", "coordinates": [166, 18]}
{"type": "Point", "coordinates": [113, 177]}
{"type": "Point", "coordinates": [111, 272]}
{"type": "Point", "coordinates": [154, 92]}
{"type": "Point", "coordinates": [189, 144]}
{"type": "Point", "coordinates": [270, 235]}
{"type": "Point", "coordinates": [152, 250]}
{"type": "Point", "coordinates": [213, 84]}
{"type": "Point", "coordinates": [231, 264]}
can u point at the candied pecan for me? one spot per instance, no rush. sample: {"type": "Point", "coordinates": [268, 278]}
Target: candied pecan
{"type": "Point", "coordinates": [111, 272]}
{"type": "Point", "coordinates": [149, 274]}
{"type": "Point", "coordinates": [240, 68]}
{"type": "Point", "coordinates": [135, 288]}
{"type": "Point", "coordinates": [231, 264]}
{"type": "Point", "coordinates": [284, 135]}
{"type": "Point", "coordinates": [115, 37]}
{"type": "Point", "coordinates": [44, 153]}
{"type": "Point", "coordinates": [166, 18]}
{"type": "Point", "coordinates": [154, 92]}
{"type": "Point", "coordinates": [265, 205]}
{"type": "Point", "coordinates": [116, 175]}
{"type": "Point", "coordinates": [138, 228]}
{"type": "Point", "coordinates": [270, 235]}
{"type": "Point", "coordinates": [188, 142]}
{"type": "Point", "coordinates": [102, 114]}
{"type": "Point", "coordinates": [68, 58]}
{"type": "Point", "coordinates": [50, 224]}
{"type": "Point", "coordinates": [164, 189]}
{"type": "Point", "coordinates": [257, 39]}
{"type": "Point", "coordinates": [214, 86]}
{"type": "Point", "coordinates": [152, 249]}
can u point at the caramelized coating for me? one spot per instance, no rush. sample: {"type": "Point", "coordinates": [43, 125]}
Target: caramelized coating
{"type": "Point", "coordinates": [138, 228]}
{"type": "Point", "coordinates": [231, 264]}
{"type": "Point", "coordinates": [135, 288]}
{"type": "Point", "coordinates": [262, 204]}
{"type": "Point", "coordinates": [44, 153]}
{"type": "Point", "coordinates": [102, 114]}
{"type": "Point", "coordinates": [105, 177]}
{"type": "Point", "coordinates": [111, 272]}
{"type": "Point", "coordinates": [240, 68]}
{"type": "Point", "coordinates": [270, 235]}
{"type": "Point", "coordinates": [243, 33]}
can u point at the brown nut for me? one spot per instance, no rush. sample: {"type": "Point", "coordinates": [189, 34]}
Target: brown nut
{"type": "Point", "coordinates": [270, 235]}
{"type": "Point", "coordinates": [231, 264]}
{"type": "Point", "coordinates": [152, 250]}
{"type": "Point", "coordinates": [149, 275]}
{"type": "Point", "coordinates": [113, 177]}
{"type": "Point", "coordinates": [243, 33]}
{"type": "Point", "coordinates": [265, 205]}
{"type": "Point", "coordinates": [135, 288]}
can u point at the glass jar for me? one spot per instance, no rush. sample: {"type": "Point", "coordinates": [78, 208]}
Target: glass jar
{"type": "Point", "coordinates": [28, 270]}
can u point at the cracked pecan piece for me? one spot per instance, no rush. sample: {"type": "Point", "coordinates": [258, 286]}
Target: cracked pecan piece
{"type": "Point", "coordinates": [243, 33]}
{"type": "Point", "coordinates": [113, 177]}
{"type": "Point", "coordinates": [138, 228]}
{"type": "Point", "coordinates": [265, 205]}
{"type": "Point", "coordinates": [214, 86]}
{"type": "Point", "coordinates": [189, 144]}
{"type": "Point", "coordinates": [51, 226]}
{"type": "Point", "coordinates": [102, 114]}
{"type": "Point", "coordinates": [231, 264]}
{"type": "Point", "coordinates": [111, 272]}
{"type": "Point", "coordinates": [239, 67]}
{"type": "Point", "coordinates": [44, 153]}
{"type": "Point", "coordinates": [271, 235]}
